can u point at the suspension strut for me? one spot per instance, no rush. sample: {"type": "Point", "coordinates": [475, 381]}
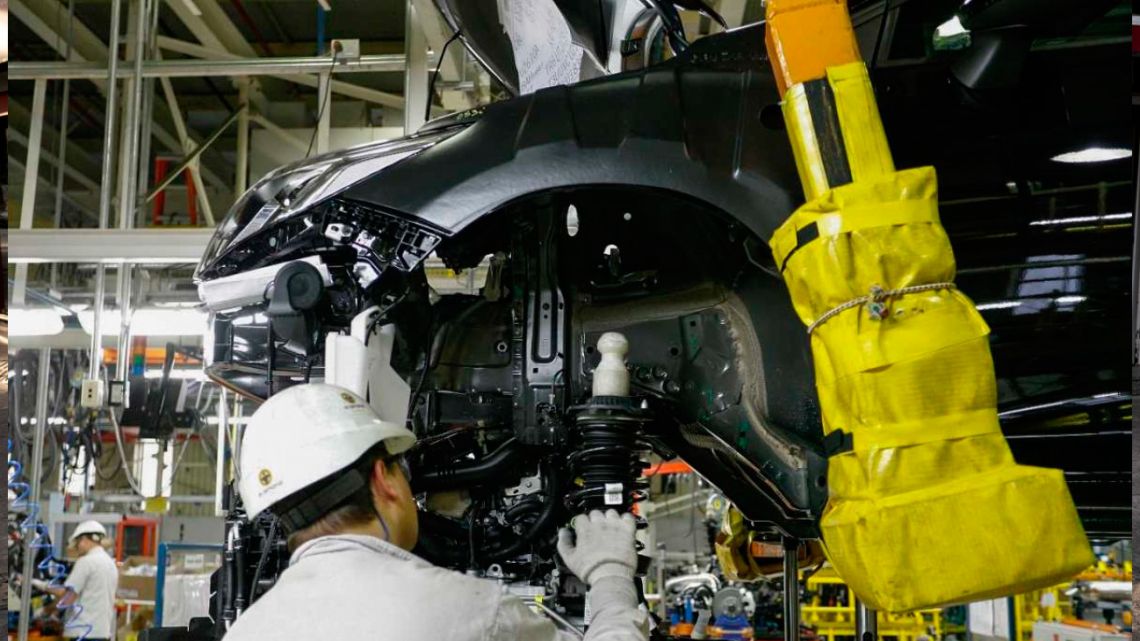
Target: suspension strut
{"type": "Point", "coordinates": [607, 438]}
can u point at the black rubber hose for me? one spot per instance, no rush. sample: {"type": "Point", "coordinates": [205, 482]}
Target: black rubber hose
{"type": "Point", "coordinates": [544, 520]}
{"type": "Point", "coordinates": [270, 542]}
{"type": "Point", "coordinates": [529, 504]}
{"type": "Point", "coordinates": [497, 465]}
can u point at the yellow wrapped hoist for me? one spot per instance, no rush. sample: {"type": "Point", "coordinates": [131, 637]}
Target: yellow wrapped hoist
{"type": "Point", "coordinates": [927, 506]}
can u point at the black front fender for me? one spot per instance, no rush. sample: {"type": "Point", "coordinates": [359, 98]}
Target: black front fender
{"type": "Point", "coordinates": [705, 124]}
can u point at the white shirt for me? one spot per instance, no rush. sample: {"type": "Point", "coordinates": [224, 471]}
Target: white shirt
{"type": "Point", "coordinates": [359, 587]}
{"type": "Point", "coordinates": [94, 579]}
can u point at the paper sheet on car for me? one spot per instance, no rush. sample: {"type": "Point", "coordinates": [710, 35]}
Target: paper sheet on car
{"type": "Point", "coordinates": [544, 53]}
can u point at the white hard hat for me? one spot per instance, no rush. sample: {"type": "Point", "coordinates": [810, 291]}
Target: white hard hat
{"type": "Point", "coordinates": [304, 435]}
{"type": "Point", "coordinates": [88, 527]}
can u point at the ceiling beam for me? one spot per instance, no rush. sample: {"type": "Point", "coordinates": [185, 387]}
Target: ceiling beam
{"type": "Point", "coordinates": [210, 64]}
{"type": "Point", "coordinates": [78, 157]}
{"type": "Point", "coordinates": [70, 171]}
{"type": "Point", "coordinates": [20, 169]}
{"type": "Point", "coordinates": [216, 32]}
{"type": "Point", "coordinates": [46, 18]}
{"type": "Point", "coordinates": [338, 86]}
{"type": "Point", "coordinates": [107, 245]}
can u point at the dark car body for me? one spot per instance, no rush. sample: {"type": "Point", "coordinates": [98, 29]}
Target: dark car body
{"type": "Point", "coordinates": [704, 130]}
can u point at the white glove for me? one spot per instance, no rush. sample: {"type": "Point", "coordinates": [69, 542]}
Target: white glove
{"type": "Point", "coordinates": [40, 584]}
{"type": "Point", "coordinates": [604, 547]}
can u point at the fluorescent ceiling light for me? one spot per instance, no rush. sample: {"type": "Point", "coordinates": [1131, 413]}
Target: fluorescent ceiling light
{"type": "Point", "coordinates": [1010, 304]}
{"type": "Point", "coordinates": [1094, 154]}
{"type": "Point", "coordinates": [236, 420]}
{"type": "Point", "coordinates": [110, 323]}
{"type": "Point", "coordinates": [1083, 219]}
{"type": "Point", "coordinates": [34, 322]}
{"type": "Point", "coordinates": [168, 322]}
{"type": "Point", "coordinates": [149, 322]}
{"type": "Point", "coordinates": [325, 5]}
{"type": "Point", "coordinates": [1001, 304]}
{"type": "Point", "coordinates": [178, 374]}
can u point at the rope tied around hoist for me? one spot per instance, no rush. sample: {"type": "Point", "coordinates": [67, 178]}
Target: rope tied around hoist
{"type": "Point", "coordinates": [876, 301]}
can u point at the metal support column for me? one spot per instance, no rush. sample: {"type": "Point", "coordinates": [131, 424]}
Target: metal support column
{"type": "Point", "coordinates": [61, 156]}
{"type": "Point", "coordinates": [1011, 605]}
{"type": "Point", "coordinates": [791, 590]}
{"type": "Point", "coordinates": [146, 119]}
{"type": "Point", "coordinates": [33, 480]}
{"type": "Point", "coordinates": [1136, 272]}
{"type": "Point", "coordinates": [128, 185]}
{"type": "Point", "coordinates": [662, 606]}
{"type": "Point", "coordinates": [241, 172]}
{"type": "Point", "coordinates": [220, 454]}
{"type": "Point", "coordinates": [866, 623]}
{"type": "Point", "coordinates": [324, 111]}
{"type": "Point", "coordinates": [416, 72]}
{"type": "Point", "coordinates": [105, 187]}
{"type": "Point", "coordinates": [31, 176]}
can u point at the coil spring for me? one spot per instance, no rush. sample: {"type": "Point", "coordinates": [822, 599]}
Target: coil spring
{"type": "Point", "coordinates": [606, 461]}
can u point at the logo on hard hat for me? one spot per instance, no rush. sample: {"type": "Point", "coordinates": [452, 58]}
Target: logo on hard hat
{"type": "Point", "coordinates": [265, 477]}
{"type": "Point", "coordinates": [348, 398]}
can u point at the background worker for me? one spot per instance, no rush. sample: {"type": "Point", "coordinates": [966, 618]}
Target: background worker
{"type": "Point", "coordinates": [86, 600]}
{"type": "Point", "coordinates": [320, 458]}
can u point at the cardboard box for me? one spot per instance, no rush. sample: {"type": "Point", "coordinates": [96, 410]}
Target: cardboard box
{"type": "Point", "coordinates": [137, 579]}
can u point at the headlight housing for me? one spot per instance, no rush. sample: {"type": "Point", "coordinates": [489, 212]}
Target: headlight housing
{"type": "Point", "coordinates": [286, 193]}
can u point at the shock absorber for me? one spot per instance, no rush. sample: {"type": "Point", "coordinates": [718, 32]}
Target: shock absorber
{"type": "Point", "coordinates": [607, 438]}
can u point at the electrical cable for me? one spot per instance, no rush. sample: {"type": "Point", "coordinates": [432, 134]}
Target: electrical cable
{"type": "Point", "coordinates": [381, 315]}
{"type": "Point", "coordinates": [435, 74]}
{"type": "Point", "coordinates": [118, 429]}
{"type": "Point", "coordinates": [324, 101]}
{"type": "Point", "coordinates": [269, 538]}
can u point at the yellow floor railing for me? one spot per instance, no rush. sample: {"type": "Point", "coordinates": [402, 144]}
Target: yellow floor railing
{"type": "Point", "coordinates": [832, 621]}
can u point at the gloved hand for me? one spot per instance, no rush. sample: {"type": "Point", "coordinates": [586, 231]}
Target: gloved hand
{"type": "Point", "coordinates": [604, 546]}
{"type": "Point", "coordinates": [40, 584]}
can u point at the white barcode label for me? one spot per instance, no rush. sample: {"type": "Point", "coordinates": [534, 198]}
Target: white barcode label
{"type": "Point", "coordinates": [614, 494]}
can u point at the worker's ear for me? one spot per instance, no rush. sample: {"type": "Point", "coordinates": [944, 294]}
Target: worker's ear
{"type": "Point", "coordinates": [384, 483]}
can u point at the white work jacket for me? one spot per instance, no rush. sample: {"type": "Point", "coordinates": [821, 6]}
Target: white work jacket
{"type": "Point", "coordinates": [94, 579]}
{"type": "Point", "coordinates": [359, 587]}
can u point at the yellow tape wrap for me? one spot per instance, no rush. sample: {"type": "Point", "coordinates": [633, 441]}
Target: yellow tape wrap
{"type": "Point", "coordinates": [929, 507]}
